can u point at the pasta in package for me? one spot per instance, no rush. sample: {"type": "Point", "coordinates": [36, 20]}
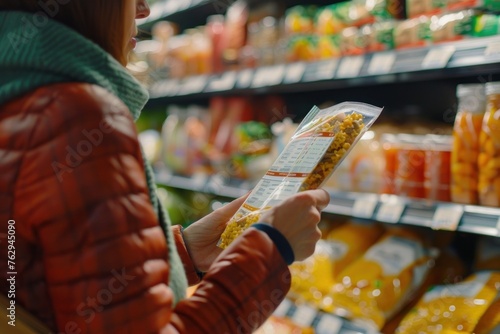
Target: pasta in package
{"type": "Point", "coordinates": [321, 142]}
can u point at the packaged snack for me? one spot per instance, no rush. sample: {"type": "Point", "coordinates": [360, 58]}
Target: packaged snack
{"type": "Point", "coordinates": [492, 5]}
{"type": "Point", "coordinates": [379, 36]}
{"type": "Point", "coordinates": [465, 151]}
{"type": "Point", "coordinates": [300, 20]}
{"type": "Point", "coordinates": [386, 9]}
{"type": "Point", "coordinates": [452, 26]}
{"type": "Point", "coordinates": [390, 147]}
{"type": "Point", "coordinates": [412, 33]}
{"type": "Point", "coordinates": [327, 22]}
{"type": "Point", "coordinates": [333, 18]}
{"type": "Point", "coordinates": [329, 46]}
{"type": "Point", "coordinates": [490, 321]}
{"type": "Point", "coordinates": [453, 307]}
{"type": "Point", "coordinates": [416, 8]}
{"type": "Point", "coordinates": [321, 142]}
{"type": "Point", "coordinates": [174, 141]}
{"type": "Point", "coordinates": [352, 42]}
{"type": "Point", "coordinates": [380, 283]}
{"type": "Point", "coordinates": [486, 25]}
{"type": "Point", "coordinates": [437, 167]}
{"type": "Point", "coordinates": [196, 134]}
{"type": "Point", "coordinates": [302, 48]}
{"type": "Point", "coordinates": [489, 156]}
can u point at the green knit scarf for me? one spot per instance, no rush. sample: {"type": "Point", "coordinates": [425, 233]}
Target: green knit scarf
{"type": "Point", "coordinates": [36, 51]}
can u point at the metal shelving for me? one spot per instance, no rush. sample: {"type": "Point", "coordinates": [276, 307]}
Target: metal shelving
{"type": "Point", "coordinates": [389, 209]}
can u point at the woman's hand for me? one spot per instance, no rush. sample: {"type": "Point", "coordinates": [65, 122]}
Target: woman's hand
{"type": "Point", "coordinates": [297, 219]}
{"type": "Point", "coordinates": [201, 237]}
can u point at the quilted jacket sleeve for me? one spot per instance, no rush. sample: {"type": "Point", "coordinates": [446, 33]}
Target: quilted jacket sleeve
{"type": "Point", "coordinates": [82, 192]}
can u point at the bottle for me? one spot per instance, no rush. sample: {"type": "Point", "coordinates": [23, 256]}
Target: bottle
{"type": "Point", "coordinates": [174, 141]}
{"type": "Point", "coordinates": [489, 142]}
{"type": "Point", "coordinates": [465, 150]}
{"type": "Point", "coordinates": [215, 32]}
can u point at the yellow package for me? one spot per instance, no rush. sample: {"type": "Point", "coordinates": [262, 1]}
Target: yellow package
{"type": "Point", "coordinates": [276, 325]}
{"type": "Point", "coordinates": [379, 284]}
{"type": "Point", "coordinates": [454, 308]}
{"type": "Point", "coordinates": [313, 278]}
{"type": "Point", "coordinates": [490, 321]}
{"type": "Point", "coordinates": [321, 142]}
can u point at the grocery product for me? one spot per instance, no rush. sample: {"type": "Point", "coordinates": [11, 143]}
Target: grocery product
{"type": "Point", "coordinates": [321, 142]}
{"type": "Point", "coordinates": [300, 20]}
{"type": "Point", "coordinates": [386, 9]}
{"type": "Point", "coordinates": [453, 307]}
{"type": "Point", "coordinates": [235, 32]}
{"type": "Point", "coordinates": [489, 156]}
{"type": "Point", "coordinates": [437, 167]}
{"type": "Point", "coordinates": [174, 141]}
{"type": "Point", "coordinates": [452, 26]}
{"type": "Point", "coordinates": [410, 166]}
{"type": "Point", "coordinates": [151, 143]}
{"type": "Point", "coordinates": [196, 133]}
{"type": "Point", "coordinates": [302, 48]}
{"type": "Point", "coordinates": [352, 42]}
{"type": "Point", "coordinates": [278, 325]}
{"type": "Point", "coordinates": [327, 20]}
{"type": "Point", "coordinates": [412, 33]}
{"type": "Point", "coordinates": [390, 148]}
{"type": "Point", "coordinates": [215, 32]}
{"type": "Point", "coordinates": [486, 24]}
{"type": "Point", "coordinates": [314, 277]}
{"type": "Point", "coordinates": [379, 36]}
{"type": "Point", "coordinates": [376, 286]}
{"type": "Point", "coordinates": [460, 4]}
{"type": "Point", "coordinates": [465, 151]}
{"type": "Point", "coordinates": [490, 321]}
{"type": "Point", "coordinates": [416, 8]}
{"type": "Point", "coordinates": [329, 46]}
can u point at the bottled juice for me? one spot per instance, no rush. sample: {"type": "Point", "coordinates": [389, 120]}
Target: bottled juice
{"type": "Point", "coordinates": [465, 151]}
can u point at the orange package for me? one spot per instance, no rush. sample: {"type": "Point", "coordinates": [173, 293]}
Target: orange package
{"type": "Point", "coordinates": [379, 284]}
{"type": "Point", "coordinates": [465, 151]}
{"type": "Point", "coordinates": [489, 157]}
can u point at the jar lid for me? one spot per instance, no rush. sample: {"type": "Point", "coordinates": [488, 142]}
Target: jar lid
{"type": "Point", "coordinates": [493, 88]}
{"type": "Point", "coordinates": [470, 89]}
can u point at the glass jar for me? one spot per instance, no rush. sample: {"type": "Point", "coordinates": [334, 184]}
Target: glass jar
{"type": "Point", "coordinates": [465, 151]}
{"type": "Point", "coordinates": [489, 156]}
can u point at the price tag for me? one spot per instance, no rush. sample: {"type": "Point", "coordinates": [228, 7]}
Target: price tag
{"type": "Point", "coordinates": [304, 315]}
{"type": "Point", "coordinates": [350, 66]}
{"type": "Point", "coordinates": [165, 88]}
{"type": "Point", "coordinates": [328, 324]}
{"type": "Point", "coordinates": [438, 57]}
{"type": "Point", "coordinates": [364, 206]}
{"type": "Point", "coordinates": [268, 76]}
{"type": "Point", "coordinates": [498, 226]}
{"type": "Point", "coordinates": [245, 79]}
{"type": "Point", "coordinates": [294, 73]}
{"type": "Point", "coordinates": [283, 308]}
{"type": "Point", "coordinates": [390, 212]}
{"type": "Point", "coordinates": [492, 50]}
{"type": "Point", "coordinates": [323, 70]}
{"type": "Point", "coordinates": [225, 82]}
{"type": "Point", "coordinates": [193, 85]}
{"type": "Point", "coordinates": [381, 63]}
{"type": "Point", "coordinates": [447, 217]}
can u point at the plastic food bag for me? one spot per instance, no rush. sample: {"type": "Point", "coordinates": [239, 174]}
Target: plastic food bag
{"type": "Point", "coordinates": [454, 308]}
{"type": "Point", "coordinates": [321, 142]}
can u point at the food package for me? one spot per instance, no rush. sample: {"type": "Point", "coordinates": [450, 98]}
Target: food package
{"type": "Point", "coordinates": [329, 46]}
{"type": "Point", "coordinates": [300, 20]}
{"type": "Point", "coordinates": [378, 285]}
{"type": "Point", "coordinates": [379, 36]}
{"type": "Point", "coordinates": [465, 151]}
{"type": "Point", "coordinates": [321, 142]}
{"type": "Point", "coordinates": [386, 9]}
{"type": "Point", "coordinates": [455, 308]}
{"type": "Point", "coordinates": [390, 147]}
{"type": "Point", "coordinates": [174, 141]}
{"type": "Point", "coordinates": [410, 166]}
{"type": "Point", "coordinates": [314, 277]}
{"type": "Point", "coordinates": [334, 18]}
{"type": "Point", "coordinates": [302, 48]}
{"type": "Point", "coordinates": [412, 33]}
{"type": "Point", "coordinates": [490, 321]}
{"type": "Point", "coordinates": [416, 8]}
{"type": "Point", "coordinates": [492, 5]}
{"type": "Point", "coordinates": [487, 254]}
{"type": "Point", "coordinates": [437, 167]}
{"type": "Point", "coordinates": [452, 26]}
{"type": "Point", "coordinates": [489, 156]}
{"type": "Point", "coordinates": [353, 42]}
{"type": "Point", "coordinates": [486, 24]}
{"type": "Point", "coordinates": [278, 325]}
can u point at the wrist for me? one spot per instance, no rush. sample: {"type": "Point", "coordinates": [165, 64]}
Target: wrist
{"type": "Point", "coordinates": [281, 243]}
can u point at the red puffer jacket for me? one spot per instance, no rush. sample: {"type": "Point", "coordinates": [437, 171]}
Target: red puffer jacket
{"type": "Point", "coordinates": [90, 255]}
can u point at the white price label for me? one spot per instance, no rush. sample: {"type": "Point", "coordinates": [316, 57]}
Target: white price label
{"type": "Point", "coordinates": [223, 83]}
{"type": "Point", "coordinates": [323, 70]}
{"type": "Point", "coordinates": [492, 50]}
{"type": "Point", "coordinates": [165, 88]}
{"type": "Point", "coordinates": [350, 66]}
{"type": "Point", "coordinates": [390, 212]}
{"type": "Point", "coordinates": [268, 76]}
{"type": "Point", "coordinates": [498, 226]}
{"type": "Point", "coordinates": [245, 78]}
{"type": "Point", "coordinates": [381, 63]}
{"type": "Point", "coordinates": [193, 85]}
{"type": "Point", "coordinates": [304, 315]}
{"type": "Point", "coordinates": [328, 324]}
{"type": "Point", "coordinates": [294, 73]}
{"type": "Point", "coordinates": [283, 308]}
{"type": "Point", "coordinates": [364, 206]}
{"type": "Point", "coordinates": [438, 57]}
{"type": "Point", "coordinates": [447, 217]}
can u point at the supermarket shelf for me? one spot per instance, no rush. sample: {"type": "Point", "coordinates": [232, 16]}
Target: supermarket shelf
{"type": "Point", "coordinates": [323, 323]}
{"type": "Point", "coordinates": [389, 209]}
{"type": "Point", "coordinates": [479, 56]}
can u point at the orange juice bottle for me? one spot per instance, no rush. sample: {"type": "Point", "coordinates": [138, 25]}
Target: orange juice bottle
{"type": "Point", "coordinates": [465, 151]}
{"type": "Point", "coordinates": [489, 156]}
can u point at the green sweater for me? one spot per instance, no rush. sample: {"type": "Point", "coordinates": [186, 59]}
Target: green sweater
{"type": "Point", "coordinates": [33, 56]}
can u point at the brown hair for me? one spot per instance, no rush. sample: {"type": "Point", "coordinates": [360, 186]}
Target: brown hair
{"type": "Point", "coordinates": [97, 20]}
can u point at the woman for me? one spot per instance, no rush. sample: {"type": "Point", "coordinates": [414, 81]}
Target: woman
{"type": "Point", "coordinates": [94, 250]}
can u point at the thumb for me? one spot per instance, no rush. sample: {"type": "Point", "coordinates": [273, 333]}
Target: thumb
{"type": "Point", "coordinates": [228, 210]}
